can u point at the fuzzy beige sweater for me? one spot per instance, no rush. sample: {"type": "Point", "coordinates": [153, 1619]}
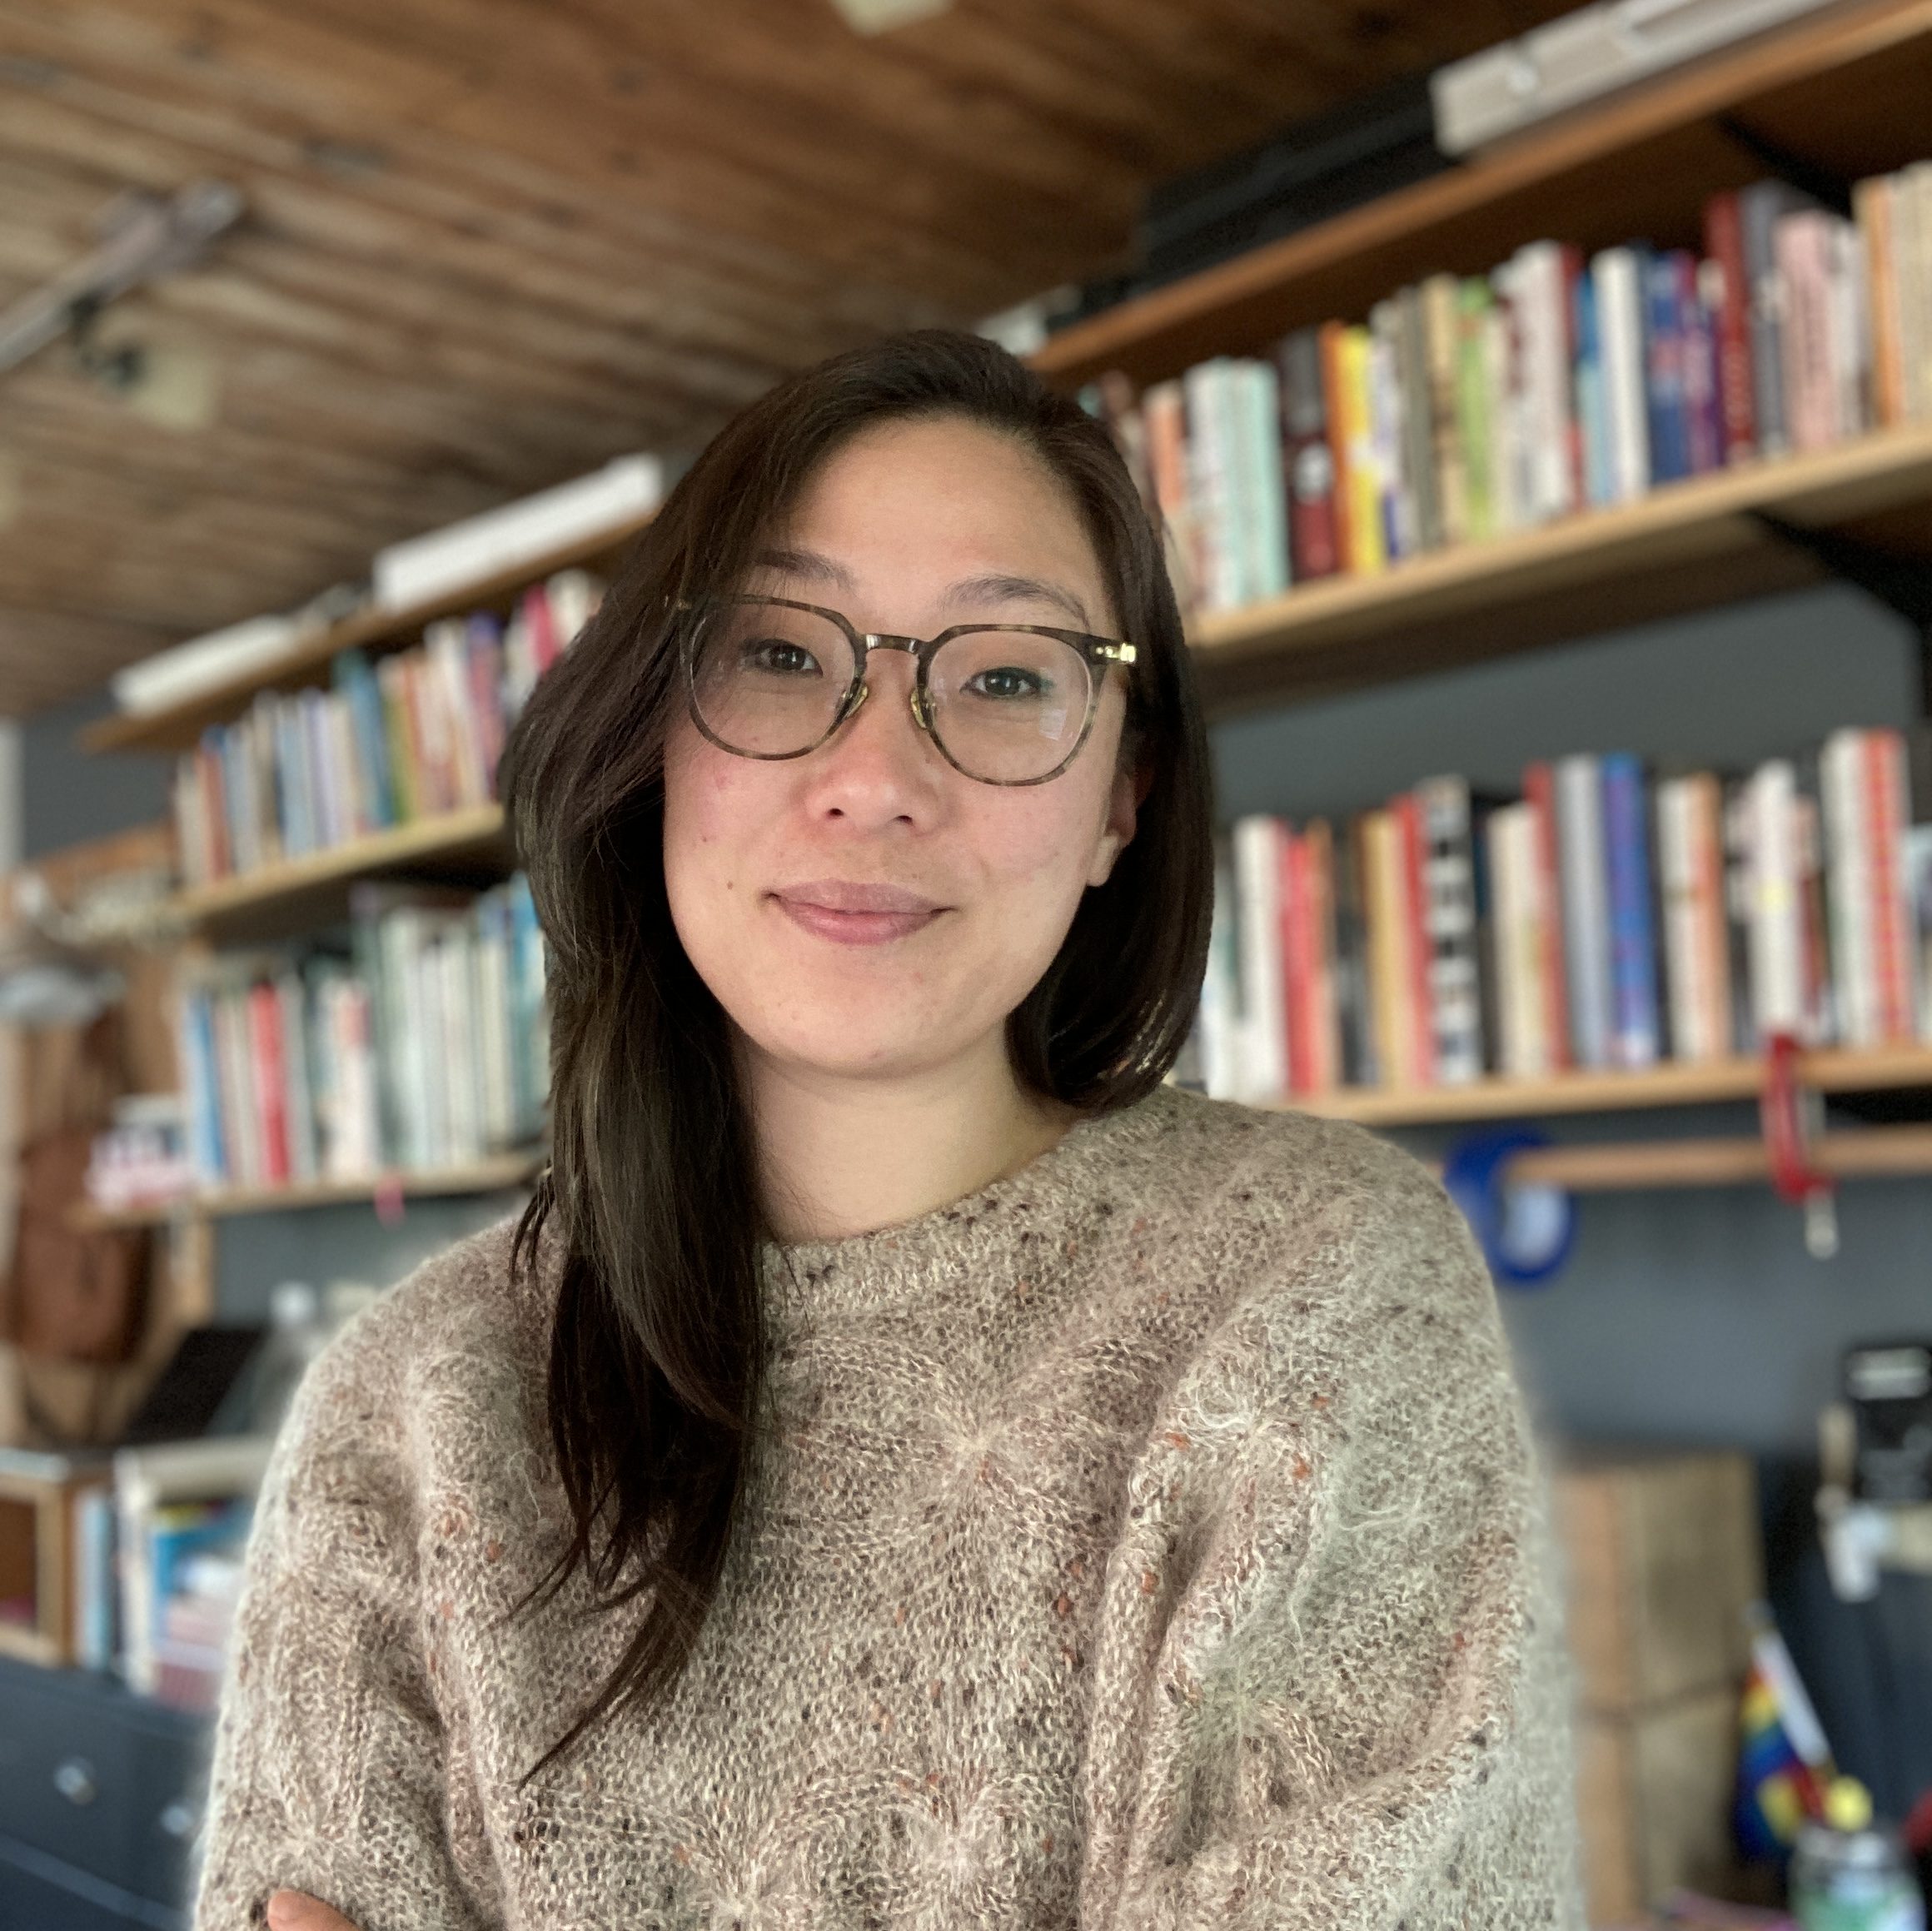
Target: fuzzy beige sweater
{"type": "Point", "coordinates": [1152, 1539]}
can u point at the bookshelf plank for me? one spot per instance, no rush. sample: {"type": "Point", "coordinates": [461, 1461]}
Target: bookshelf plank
{"type": "Point", "coordinates": [1830, 1070]}
{"type": "Point", "coordinates": [1685, 544]}
{"type": "Point", "coordinates": [506, 1170]}
{"type": "Point", "coordinates": [473, 840]}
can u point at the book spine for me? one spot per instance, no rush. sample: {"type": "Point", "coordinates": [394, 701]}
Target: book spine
{"type": "Point", "coordinates": [1414, 388]}
{"type": "Point", "coordinates": [1586, 939]}
{"type": "Point", "coordinates": [1737, 382]}
{"type": "Point", "coordinates": [1308, 458]}
{"type": "Point", "coordinates": [1361, 476]}
{"type": "Point", "coordinates": [1664, 353]}
{"type": "Point", "coordinates": [1634, 1038]}
{"type": "Point", "coordinates": [1473, 406]}
{"type": "Point", "coordinates": [270, 1079]}
{"type": "Point", "coordinates": [1887, 814]}
{"type": "Point", "coordinates": [1703, 400]}
{"type": "Point", "coordinates": [1776, 929]}
{"type": "Point", "coordinates": [1810, 399]}
{"type": "Point", "coordinates": [1441, 330]}
{"type": "Point", "coordinates": [1760, 207]}
{"type": "Point", "coordinates": [1257, 870]}
{"type": "Point", "coordinates": [1540, 794]}
{"type": "Point", "coordinates": [1418, 952]}
{"type": "Point", "coordinates": [1616, 274]}
{"type": "Point", "coordinates": [1388, 964]}
{"type": "Point", "coordinates": [1322, 1030]}
{"type": "Point", "coordinates": [1872, 207]}
{"type": "Point", "coordinates": [1361, 1062]}
{"type": "Point", "coordinates": [1442, 811]}
{"type": "Point", "coordinates": [1164, 410]}
{"type": "Point", "coordinates": [1267, 509]}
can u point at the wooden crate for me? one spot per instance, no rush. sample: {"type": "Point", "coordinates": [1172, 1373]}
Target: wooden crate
{"type": "Point", "coordinates": [1654, 1798]}
{"type": "Point", "coordinates": [1664, 1557]}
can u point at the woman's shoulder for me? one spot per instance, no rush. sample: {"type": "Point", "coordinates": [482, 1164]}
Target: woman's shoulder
{"type": "Point", "coordinates": [468, 1316]}
{"type": "Point", "coordinates": [1190, 1158]}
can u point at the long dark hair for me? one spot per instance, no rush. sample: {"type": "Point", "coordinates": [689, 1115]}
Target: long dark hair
{"type": "Point", "coordinates": [653, 1366]}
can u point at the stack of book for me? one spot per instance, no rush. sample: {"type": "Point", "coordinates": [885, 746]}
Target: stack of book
{"type": "Point", "coordinates": [418, 1039]}
{"type": "Point", "coordinates": [1468, 406]}
{"type": "Point", "coordinates": [180, 1522]}
{"type": "Point", "coordinates": [394, 739]}
{"type": "Point", "coordinates": [1606, 917]}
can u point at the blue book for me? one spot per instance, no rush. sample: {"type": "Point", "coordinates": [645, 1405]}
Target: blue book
{"type": "Point", "coordinates": [1592, 397]}
{"type": "Point", "coordinates": [203, 1086]}
{"type": "Point", "coordinates": [1663, 387]}
{"type": "Point", "coordinates": [355, 679]}
{"type": "Point", "coordinates": [1633, 946]}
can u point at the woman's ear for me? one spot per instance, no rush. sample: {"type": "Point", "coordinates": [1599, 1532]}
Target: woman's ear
{"type": "Point", "coordinates": [1131, 785]}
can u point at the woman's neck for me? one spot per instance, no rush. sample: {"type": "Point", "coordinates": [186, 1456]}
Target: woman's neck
{"type": "Point", "coordinates": [841, 1156]}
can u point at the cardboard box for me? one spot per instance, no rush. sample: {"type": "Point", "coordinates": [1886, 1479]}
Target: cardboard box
{"type": "Point", "coordinates": [1664, 1557]}
{"type": "Point", "coordinates": [1654, 1794]}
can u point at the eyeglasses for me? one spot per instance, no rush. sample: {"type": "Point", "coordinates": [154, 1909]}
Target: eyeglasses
{"type": "Point", "coordinates": [1007, 703]}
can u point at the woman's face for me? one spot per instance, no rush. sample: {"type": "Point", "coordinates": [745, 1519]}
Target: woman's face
{"type": "Point", "coordinates": [770, 865]}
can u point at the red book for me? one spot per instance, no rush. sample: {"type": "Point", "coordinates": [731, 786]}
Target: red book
{"type": "Point", "coordinates": [1408, 816]}
{"type": "Point", "coordinates": [1540, 794]}
{"type": "Point", "coordinates": [1572, 259]}
{"type": "Point", "coordinates": [1325, 1053]}
{"type": "Point", "coordinates": [1724, 244]}
{"type": "Point", "coordinates": [1297, 960]}
{"type": "Point", "coordinates": [1308, 456]}
{"type": "Point", "coordinates": [544, 647]}
{"type": "Point", "coordinates": [1886, 811]}
{"type": "Point", "coordinates": [269, 1072]}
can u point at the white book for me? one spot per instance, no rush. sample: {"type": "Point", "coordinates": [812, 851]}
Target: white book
{"type": "Point", "coordinates": [1449, 929]}
{"type": "Point", "coordinates": [1258, 876]}
{"type": "Point", "coordinates": [1523, 1050]}
{"type": "Point", "coordinates": [1845, 795]}
{"type": "Point", "coordinates": [1584, 870]}
{"type": "Point", "coordinates": [1388, 432]}
{"type": "Point", "coordinates": [1219, 1018]}
{"type": "Point", "coordinates": [463, 1106]}
{"type": "Point", "coordinates": [1686, 996]}
{"type": "Point", "coordinates": [1848, 328]}
{"type": "Point", "coordinates": [1266, 499]}
{"type": "Point", "coordinates": [1619, 334]}
{"type": "Point", "coordinates": [1506, 492]}
{"type": "Point", "coordinates": [1912, 273]}
{"type": "Point", "coordinates": [172, 675]}
{"type": "Point", "coordinates": [450, 560]}
{"type": "Point", "coordinates": [1774, 934]}
{"type": "Point", "coordinates": [1544, 371]}
{"type": "Point", "coordinates": [1211, 484]}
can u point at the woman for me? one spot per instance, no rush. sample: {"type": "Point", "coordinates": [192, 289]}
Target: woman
{"type": "Point", "coordinates": [909, 1465]}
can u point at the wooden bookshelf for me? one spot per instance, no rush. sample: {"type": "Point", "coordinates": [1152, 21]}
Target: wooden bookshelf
{"type": "Point", "coordinates": [504, 1170]}
{"type": "Point", "coordinates": [1688, 545]}
{"type": "Point", "coordinates": [470, 845]}
{"type": "Point", "coordinates": [1830, 1070]}
{"type": "Point", "coordinates": [177, 727]}
{"type": "Point", "coordinates": [1845, 90]}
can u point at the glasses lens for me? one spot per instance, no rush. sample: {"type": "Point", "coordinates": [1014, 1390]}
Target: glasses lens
{"type": "Point", "coordinates": [768, 680]}
{"type": "Point", "coordinates": [1008, 705]}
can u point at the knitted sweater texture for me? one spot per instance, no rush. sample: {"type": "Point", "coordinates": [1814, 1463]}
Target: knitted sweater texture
{"type": "Point", "coordinates": [1154, 1538]}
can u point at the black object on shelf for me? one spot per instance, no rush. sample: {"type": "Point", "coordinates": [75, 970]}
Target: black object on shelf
{"type": "Point", "coordinates": [1309, 172]}
{"type": "Point", "coordinates": [189, 1393]}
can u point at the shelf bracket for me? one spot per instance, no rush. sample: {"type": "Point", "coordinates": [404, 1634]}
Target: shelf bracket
{"type": "Point", "coordinates": [1903, 584]}
{"type": "Point", "coordinates": [1822, 183]}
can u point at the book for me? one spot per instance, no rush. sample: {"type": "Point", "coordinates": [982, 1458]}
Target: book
{"type": "Point", "coordinates": [1635, 1038]}
{"type": "Point", "coordinates": [1308, 462]}
{"type": "Point", "coordinates": [1585, 908]}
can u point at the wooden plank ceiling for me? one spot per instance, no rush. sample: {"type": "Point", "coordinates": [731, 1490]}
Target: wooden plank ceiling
{"type": "Point", "coordinates": [492, 242]}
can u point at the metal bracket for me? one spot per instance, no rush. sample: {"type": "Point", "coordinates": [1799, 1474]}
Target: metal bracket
{"type": "Point", "coordinates": [1820, 183]}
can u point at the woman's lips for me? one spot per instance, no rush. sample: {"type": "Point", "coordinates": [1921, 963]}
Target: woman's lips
{"type": "Point", "coordinates": [855, 927]}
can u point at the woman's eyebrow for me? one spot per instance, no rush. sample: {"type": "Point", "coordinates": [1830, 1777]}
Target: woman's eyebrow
{"type": "Point", "coordinates": [806, 563]}
{"type": "Point", "coordinates": [999, 586]}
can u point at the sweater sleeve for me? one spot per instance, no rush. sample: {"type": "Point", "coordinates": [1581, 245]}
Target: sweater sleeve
{"type": "Point", "coordinates": [329, 1766]}
{"type": "Point", "coordinates": [1330, 1692]}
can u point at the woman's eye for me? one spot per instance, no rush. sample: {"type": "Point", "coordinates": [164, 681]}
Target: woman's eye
{"type": "Point", "coordinates": [779, 658]}
{"type": "Point", "coordinates": [1007, 681]}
